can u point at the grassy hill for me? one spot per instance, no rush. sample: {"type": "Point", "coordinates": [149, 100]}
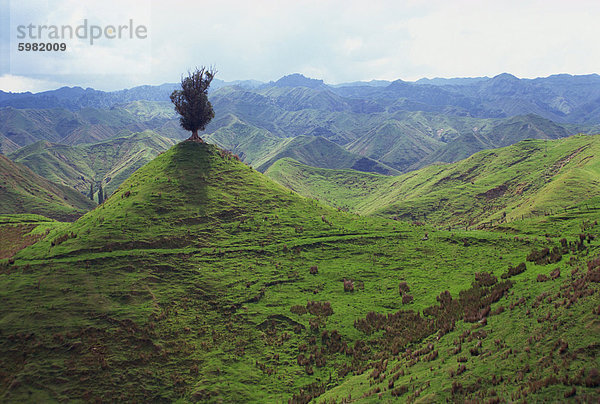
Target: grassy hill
{"type": "Point", "coordinates": [23, 191]}
{"type": "Point", "coordinates": [109, 162]}
{"type": "Point", "coordinates": [202, 280]}
{"type": "Point", "coordinates": [7, 145]}
{"type": "Point", "coordinates": [530, 177]}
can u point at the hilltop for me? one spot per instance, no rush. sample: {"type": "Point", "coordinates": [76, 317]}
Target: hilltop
{"type": "Point", "coordinates": [23, 191]}
{"type": "Point", "coordinates": [193, 195]}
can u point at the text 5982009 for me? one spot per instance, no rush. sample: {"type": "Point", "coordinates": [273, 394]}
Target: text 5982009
{"type": "Point", "coordinates": [42, 47]}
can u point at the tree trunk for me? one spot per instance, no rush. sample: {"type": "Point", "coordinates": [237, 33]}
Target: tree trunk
{"type": "Point", "coordinates": [195, 137]}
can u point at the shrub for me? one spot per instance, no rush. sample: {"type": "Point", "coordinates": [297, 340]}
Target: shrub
{"type": "Point", "coordinates": [512, 271]}
{"type": "Point", "coordinates": [403, 288]}
{"type": "Point", "coordinates": [406, 299]}
{"type": "Point", "coordinates": [63, 238]}
{"type": "Point", "coordinates": [348, 285]}
{"type": "Point", "coordinates": [314, 270]}
{"type": "Point", "coordinates": [298, 309]}
{"type": "Point", "coordinates": [570, 393]}
{"type": "Point", "coordinates": [542, 278]}
{"type": "Point", "coordinates": [485, 278]}
{"type": "Point", "coordinates": [444, 298]}
{"type": "Point", "coordinates": [593, 378]}
{"type": "Point", "coordinates": [319, 308]}
{"type": "Point", "coordinates": [399, 391]}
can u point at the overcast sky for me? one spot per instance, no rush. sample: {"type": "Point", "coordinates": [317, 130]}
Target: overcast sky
{"type": "Point", "coordinates": [337, 41]}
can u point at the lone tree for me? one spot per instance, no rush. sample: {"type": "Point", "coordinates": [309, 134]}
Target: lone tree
{"type": "Point", "coordinates": [100, 194]}
{"type": "Point", "coordinates": [191, 102]}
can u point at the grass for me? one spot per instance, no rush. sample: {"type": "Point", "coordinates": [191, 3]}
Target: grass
{"type": "Point", "coordinates": [108, 162]}
{"type": "Point", "coordinates": [180, 287]}
{"type": "Point", "coordinates": [22, 191]}
{"type": "Point", "coordinates": [529, 178]}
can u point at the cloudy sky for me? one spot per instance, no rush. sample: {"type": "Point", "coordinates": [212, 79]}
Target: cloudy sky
{"type": "Point", "coordinates": [337, 41]}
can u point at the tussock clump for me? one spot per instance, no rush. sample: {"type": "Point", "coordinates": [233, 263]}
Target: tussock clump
{"type": "Point", "coordinates": [319, 308]}
{"type": "Point", "coordinates": [298, 309]}
{"type": "Point", "coordinates": [399, 391]}
{"type": "Point", "coordinates": [593, 378]}
{"type": "Point", "coordinates": [63, 238]}
{"type": "Point", "coordinates": [545, 256]}
{"type": "Point", "coordinates": [485, 278]}
{"type": "Point", "coordinates": [512, 271]}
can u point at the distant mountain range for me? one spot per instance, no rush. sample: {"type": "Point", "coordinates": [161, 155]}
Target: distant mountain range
{"type": "Point", "coordinates": [377, 126]}
{"type": "Point", "coordinates": [563, 98]}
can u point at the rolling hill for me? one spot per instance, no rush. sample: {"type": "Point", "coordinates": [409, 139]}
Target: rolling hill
{"type": "Point", "coordinates": [530, 177]}
{"type": "Point", "coordinates": [108, 163]}
{"type": "Point", "coordinates": [23, 191]}
{"type": "Point", "coordinates": [202, 280]}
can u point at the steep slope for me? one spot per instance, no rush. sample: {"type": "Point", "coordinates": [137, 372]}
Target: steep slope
{"type": "Point", "coordinates": [396, 144]}
{"type": "Point", "coordinates": [531, 177]}
{"type": "Point", "coordinates": [108, 163]}
{"type": "Point", "coordinates": [7, 146]}
{"type": "Point", "coordinates": [23, 191]}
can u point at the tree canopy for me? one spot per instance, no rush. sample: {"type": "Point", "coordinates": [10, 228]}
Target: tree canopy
{"type": "Point", "coordinates": [191, 102]}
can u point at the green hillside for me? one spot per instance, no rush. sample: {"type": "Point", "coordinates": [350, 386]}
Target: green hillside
{"type": "Point", "coordinates": [530, 177]}
{"type": "Point", "coordinates": [202, 280]}
{"type": "Point", "coordinates": [396, 144]}
{"type": "Point", "coordinates": [108, 163]}
{"type": "Point", "coordinates": [7, 145]}
{"type": "Point", "coordinates": [23, 191]}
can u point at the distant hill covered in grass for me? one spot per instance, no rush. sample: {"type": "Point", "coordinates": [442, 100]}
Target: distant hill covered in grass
{"type": "Point", "coordinates": [108, 163]}
{"type": "Point", "coordinates": [23, 191]}
{"type": "Point", "coordinates": [530, 177]}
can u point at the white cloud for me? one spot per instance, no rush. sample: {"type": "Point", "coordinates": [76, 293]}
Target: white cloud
{"type": "Point", "coordinates": [338, 40]}
{"type": "Point", "coordinates": [19, 84]}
